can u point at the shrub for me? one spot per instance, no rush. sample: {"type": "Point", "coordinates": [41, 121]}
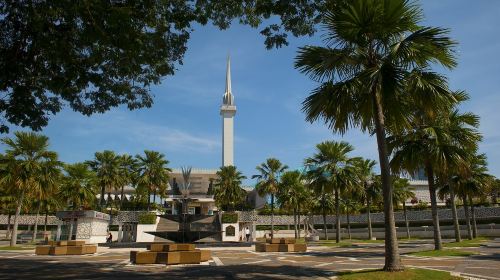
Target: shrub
{"type": "Point", "coordinates": [113, 228]}
{"type": "Point", "coordinates": [229, 218]}
{"type": "Point", "coordinates": [422, 205]}
{"type": "Point", "coordinates": [268, 227]}
{"type": "Point", "coordinates": [266, 210]}
{"type": "Point", "coordinates": [147, 218]}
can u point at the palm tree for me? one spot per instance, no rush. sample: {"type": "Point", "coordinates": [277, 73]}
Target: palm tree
{"type": "Point", "coordinates": [308, 204]}
{"type": "Point", "coordinates": [304, 197]}
{"type": "Point", "coordinates": [128, 166]}
{"type": "Point", "coordinates": [494, 190]}
{"type": "Point", "coordinates": [473, 183]}
{"type": "Point", "coordinates": [333, 158]}
{"type": "Point", "coordinates": [403, 192]}
{"type": "Point", "coordinates": [7, 206]}
{"type": "Point", "coordinates": [448, 185]}
{"type": "Point", "coordinates": [349, 204]}
{"type": "Point", "coordinates": [462, 136]}
{"type": "Point", "coordinates": [268, 181]}
{"type": "Point", "coordinates": [462, 192]}
{"type": "Point", "coordinates": [317, 181]}
{"type": "Point", "coordinates": [228, 191]}
{"type": "Point", "coordinates": [152, 172]}
{"type": "Point", "coordinates": [49, 205]}
{"type": "Point", "coordinates": [479, 181]}
{"type": "Point", "coordinates": [370, 191]}
{"type": "Point", "coordinates": [77, 188]}
{"type": "Point", "coordinates": [291, 192]}
{"type": "Point", "coordinates": [49, 183]}
{"type": "Point", "coordinates": [439, 143]}
{"type": "Point", "coordinates": [374, 48]}
{"type": "Point", "coordinates": [106, 165]}
{"type": "Point", "coordinates": [22, 168]}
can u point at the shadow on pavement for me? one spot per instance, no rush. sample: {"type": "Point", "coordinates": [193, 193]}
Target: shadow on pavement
{"type": "Point", "coordinates": [347, 254]}
{"type": "Point", "coordinates": [43, 269]}
{"type": "Point", "coordinates": [495, 256]}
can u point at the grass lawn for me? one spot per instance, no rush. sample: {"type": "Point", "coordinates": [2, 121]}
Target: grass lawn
{"type": "Point", "coordinates": [377, 241]}
{"type": "Point", "coordinates": [413, 239]}
{"type": "Point", "coordinates": [476, 242]}
{"type": "Point", "coordinates": [443, 253]}
{"type": "Point", "coordinates": [8, 248]}
{"type": "Point", "coordinates": [408, 274]}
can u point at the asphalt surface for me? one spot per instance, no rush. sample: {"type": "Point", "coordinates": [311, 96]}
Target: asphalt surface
{"type": "Point", "coordinates": [243, 263]}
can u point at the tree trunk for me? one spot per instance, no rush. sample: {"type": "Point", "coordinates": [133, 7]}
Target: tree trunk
{"type": "Point", "coordinates": [35, 230]}
{"type": "Point", "coordinates": [102, 197]}
{"type": "Point", "coordinates": [272, 215]}
{"type": "Point", "coordinates": [324, 217]}
{"type": "Point", "coordinates": [111, 204]}
{"type": "Point", "coordinates": [13, 238]}
{"type": "Point", "coordinates": [435, 218]}
{"type": "Point", "coordinates": [456, 225]}
{"type": "Point", "coordinates": [473, 212]}
{"type": "Point", "coordinates": [337, 214]}
{"type": "Point", "coordinates": [392, 258]}
{"type": "Point", "coordinates": [121, 198]}
{"type": "Point", "coordinates": [406, 220]}
{"type": "Point", "coordinates": [149, 200]}
{"type": "Point", "coordinates": [46, 219]}
{"type": "Point", "coordinates": [369, 218]}
{"type": "Point", "coordinates": [7, 234]}
{"type": "Point", "coordinates": [295, 221]}
{"type": "Point", "coordinates": [70, 232]}
{"type": "Point", "coordinates": [298, 214]}
{"type": "Point", "coordinates": [154, 197]}
{"type": "Point", "coordinates": [348, 223]}
{"type": "Point", "coordinates": [467, 219]}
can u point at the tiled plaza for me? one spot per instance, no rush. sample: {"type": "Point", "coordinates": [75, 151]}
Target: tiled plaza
{"type": "Point", "coordinates": [244, 263]}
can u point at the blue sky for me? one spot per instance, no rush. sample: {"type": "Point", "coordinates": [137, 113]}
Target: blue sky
{"type": "Point", "coordinates": [185, 125]}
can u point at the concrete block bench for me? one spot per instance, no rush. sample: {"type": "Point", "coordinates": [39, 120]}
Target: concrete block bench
{"type": "Point", "coordinates": [70, 247]}
{"type": "Point", "coordinates": [280, 245]}
{"type": "Point", "coordinates": [170, 254]}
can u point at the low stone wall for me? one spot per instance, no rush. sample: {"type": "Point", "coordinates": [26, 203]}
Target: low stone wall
{"type": "Point", "coordinates": [444, 214]}
{"type": "Point", "coordinates": [417, 232]}
{"type": "Point", "coordinates": [30, 220]}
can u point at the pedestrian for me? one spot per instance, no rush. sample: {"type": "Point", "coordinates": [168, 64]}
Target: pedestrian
{"type": "Point", "coordinates": [109, 239]}
{"type": "Point", "coordinates": [247, 233]}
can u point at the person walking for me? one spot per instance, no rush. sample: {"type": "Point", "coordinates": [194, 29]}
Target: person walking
{"type": "Point", "coordinates": [247, 233]}
{"type": "Point", "coordinates": [109, 239]}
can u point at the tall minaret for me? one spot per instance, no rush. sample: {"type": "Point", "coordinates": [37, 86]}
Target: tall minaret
{"type": "Point", "coordinates": [227, 111]}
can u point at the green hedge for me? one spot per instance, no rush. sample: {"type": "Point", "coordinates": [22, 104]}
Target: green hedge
{"type": "Point", "coordinates": [147, 218]}
{"type": "Point", "coordinates": [229, 218]}
{"type": "Point", "coordinates": [268, 227]}
{"type": "Point", "coordinates": [113, 228]}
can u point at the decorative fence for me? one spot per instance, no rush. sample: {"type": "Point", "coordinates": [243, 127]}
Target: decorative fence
{"type": "Point", "coordinates": [444, 214]}
{"type": "Point", "coordinates": [252, 216]}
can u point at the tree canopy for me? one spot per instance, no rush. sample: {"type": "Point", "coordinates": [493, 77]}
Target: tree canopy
{"type": "Point", "coordinates": [92, 55]}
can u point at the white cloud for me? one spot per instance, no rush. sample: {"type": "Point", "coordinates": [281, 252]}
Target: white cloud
{"type": "Point", "coordinates": [124, 127]}
{"type": "Point", "coordinates": [172, 139]}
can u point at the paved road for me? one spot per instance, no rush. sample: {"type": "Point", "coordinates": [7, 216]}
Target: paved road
{"type": "Point", "coordinates": [243, 263]}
